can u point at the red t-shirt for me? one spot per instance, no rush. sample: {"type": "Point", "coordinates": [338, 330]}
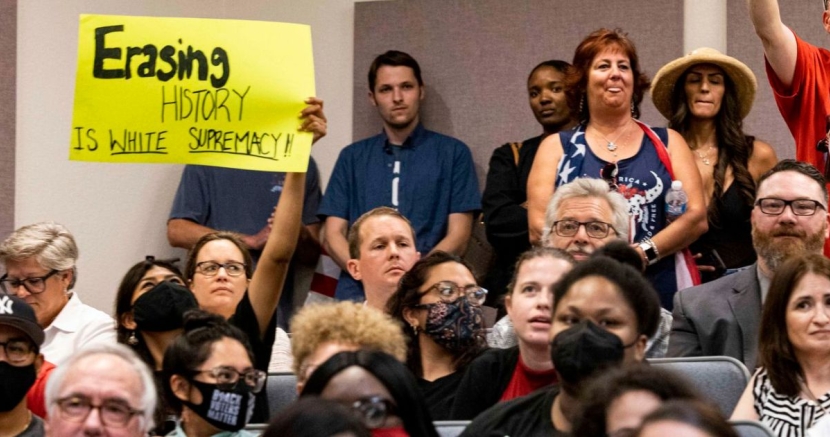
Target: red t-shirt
{"type": "Point", "coordinates": [35, 398]}
{"type": "Point", "coordinates": [526, 380]}
{"type": "Point", "coordinates": [805, 104]}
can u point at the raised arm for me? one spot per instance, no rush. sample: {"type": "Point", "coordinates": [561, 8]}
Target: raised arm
{"type": "Point", "coordinates": [540, 184]}
{"type": "Point", "coordinates": [692, 224]}
{"type": "Point", "coordinates": [269, 277]}
{"type": "Point", "coordinates": [778, 40]}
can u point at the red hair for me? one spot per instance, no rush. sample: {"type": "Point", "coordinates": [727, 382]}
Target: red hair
{"type": "Point", "coordinates": [576, 80]}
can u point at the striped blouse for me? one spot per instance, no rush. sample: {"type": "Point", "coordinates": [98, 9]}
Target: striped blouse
{"type": "Point", "coordinates": [785, 416]}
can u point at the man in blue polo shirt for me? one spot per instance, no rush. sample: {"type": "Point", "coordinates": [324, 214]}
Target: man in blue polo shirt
{"type": "Point", "coordinates": [426, 176]}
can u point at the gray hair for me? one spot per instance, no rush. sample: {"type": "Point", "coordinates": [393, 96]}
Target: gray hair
{"type": "Point", "coordinates": [149, 397]}
{"type": "Point", "coordinates": [50, 243]}
{"type": "Point", "coordinates": [588, 187]}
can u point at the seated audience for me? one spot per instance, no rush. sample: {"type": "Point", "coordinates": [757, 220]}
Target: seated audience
{"type": "Point", "coordinates": [615, 403]}
{"type": "Point", "coordinates": [705, 95]}
{"type": "Point", "coordinates": [685, 418]}
{"type": "Point", "coordinates": [221, 275]}
{"type": "Point", "coordinates": [150, 305]}
{"type": "Point", "coordinates": [521, 369]}
{"type": "Point", "coordinates": [381, 249]}
{"type": "Point", "coordinates": [322, 330]}
{"type": "Point", "coordinates": [504, 201]}
{"type": "Point", "coordinates": [603, 313]}
{"type": "Point", "coordinates": [315, 417]}
{"type": "Point", "coordinates": [20, 362]}
{"type": "Point", "coordinates": [379, 388]}
{"type": "Point", "coordinates": [439, 305]}
{"type": "Point", "coordinates": [587, 202]}
{"type": "Point", "coordinates": [210, 379]}
{"type": "Point", "coordinates": [722, 317]}
{"type": "Point", "coordinates": [103, 389]}
{"type": "Point", "coordinates": [40, 268]}
{"type": "Point", "coordinates": [791, 392]}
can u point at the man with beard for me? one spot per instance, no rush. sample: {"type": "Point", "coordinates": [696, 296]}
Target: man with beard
{"type": "Point", "coordinates": [722, 317]}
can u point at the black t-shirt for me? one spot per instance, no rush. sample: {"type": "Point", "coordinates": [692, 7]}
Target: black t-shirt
{"type": "Point", "coordinates": [440, 394]}
{"type": "Point", "coordinates": [484, 382]}
{"type": "Point", "coordinates": [245, 319]}
{"type": "Point", "coordinates": [527, 416]}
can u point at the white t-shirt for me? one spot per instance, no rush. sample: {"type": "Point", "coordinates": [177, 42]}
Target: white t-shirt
{"type": "Point", "coordinates": [76, 326]}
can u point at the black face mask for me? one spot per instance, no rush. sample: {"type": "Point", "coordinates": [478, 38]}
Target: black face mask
{"type": "Point", "coordinates": [582, 349]}
{"type": "Point", "coordinates": [14, 383]}
{"type": "Point", "coordinates": [162, 308]}
{"type": "Point", "coordinates": [227, 410]}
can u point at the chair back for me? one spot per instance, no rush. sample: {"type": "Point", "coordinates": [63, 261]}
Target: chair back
{"type": "Point", "coordinates": [282, 391]}
{"type": "Point", "coordinates": [747, 428]}
{"type": "Point", "coordinates": [720, 380]}
{"type": "Point", "coordinates": [450, 428]}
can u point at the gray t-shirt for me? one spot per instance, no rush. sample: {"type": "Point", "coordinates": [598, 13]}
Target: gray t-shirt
{"type": "Point", "coordinates": [35, 428]}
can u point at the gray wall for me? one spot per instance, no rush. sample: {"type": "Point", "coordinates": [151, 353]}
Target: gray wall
{"type": "Point", "coordinates": [8, 83]}
{"type": "Point", "coordinates": [475, 56]}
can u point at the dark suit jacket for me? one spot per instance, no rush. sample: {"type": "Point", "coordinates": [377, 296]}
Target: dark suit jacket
{"type": "Point", "coordinates": [721, 317]}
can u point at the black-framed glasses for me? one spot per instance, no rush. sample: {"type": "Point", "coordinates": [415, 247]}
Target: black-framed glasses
{"type": "Point", "coordinates": [115, 413]}
{"type": "Point", "coordinates": [211, 268]}
{"type": "Point", "coordinates": [374, 410]}
{"type": "Point", "coordinates": [449, 291]}
{"type": "Point", "coordinates": [17, 350]}
{"type": "Point", "coordinates": [33, 285]}
{"type": "Point", "coordinates": [802, 207]}
{"type": "Point", "coordinates": [594, 229]}
{"type": "Point", "coordinates": [226, 377]}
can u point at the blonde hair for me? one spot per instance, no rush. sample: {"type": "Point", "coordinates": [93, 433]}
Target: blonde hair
{"type": "Point", "coordinates": [344, 322]}
{"type": "Point", "coordinates": [50, 243]}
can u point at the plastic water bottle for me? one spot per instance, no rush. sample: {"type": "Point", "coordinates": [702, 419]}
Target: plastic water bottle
{"type": "Point", "coordinates": [676, 201]}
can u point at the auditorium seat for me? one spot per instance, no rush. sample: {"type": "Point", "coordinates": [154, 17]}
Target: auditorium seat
{"type": "Point", "coordinates": [282, 390]}
{"type": "Point", "coordinates": [720, 380]}
{"type": "Point", "coordinates": [746, 428]}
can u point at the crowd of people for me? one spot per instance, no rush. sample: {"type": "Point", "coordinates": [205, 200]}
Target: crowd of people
{"type": "Point", "coordinates": [593, 272]}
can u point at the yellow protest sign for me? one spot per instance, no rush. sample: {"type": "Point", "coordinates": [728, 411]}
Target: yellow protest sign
{"type": "Point", "coordinates": [225, 93]}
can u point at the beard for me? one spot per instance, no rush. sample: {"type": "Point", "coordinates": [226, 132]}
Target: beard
{"type": "Point", "coordinates": [775, 251]}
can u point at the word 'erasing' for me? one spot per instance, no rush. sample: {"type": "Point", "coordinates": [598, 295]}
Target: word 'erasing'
{"type": "Point", "coordinates": [179, 63]}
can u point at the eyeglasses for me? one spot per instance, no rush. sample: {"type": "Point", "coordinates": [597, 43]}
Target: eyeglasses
{"type": "Point", "coordinates": [802, 207]}
{"type": "Point", "coordinates": [608, 173]}
{"type": "Point", "coordinates": [17, 351]}
{"type": "Point", "coordinates": [211, 268]}
{"type": "Point", "coordinates": [113, 412]}
{"type": "Point", "coordinates": [33, 285]}
{"type": "Point", "coordinates": [374, 410]}
{"type": "Point", "coordinates": [450, 292]}
{"type": "Point", "coordinates": [594, 229]}
{"type": "Point", "coordinates": [227, 377]}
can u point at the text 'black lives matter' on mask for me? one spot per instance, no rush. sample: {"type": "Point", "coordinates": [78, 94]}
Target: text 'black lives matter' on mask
{"type": "Point", "coordinates": [582, 349]}
{"type": "Point", "coordinates": [162, 308]}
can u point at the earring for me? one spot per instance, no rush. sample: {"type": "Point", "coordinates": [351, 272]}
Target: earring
{"type": "Point", "coordinates": [414, 329]}
{"type": "Point", "coordinates": [132, 340]}
{"type": "Point", "coordinates": [633, 109]}
{"type": "Point", "coordinates": [581, 104]}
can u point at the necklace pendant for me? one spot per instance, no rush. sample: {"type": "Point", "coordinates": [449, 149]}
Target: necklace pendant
{"type": "Point", "coordinates": [706, 161]}
{"type": "Point", "coordinates": [611, 146]}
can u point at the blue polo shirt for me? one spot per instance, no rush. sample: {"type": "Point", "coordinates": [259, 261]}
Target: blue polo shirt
{"type": "Point", "coordinates": [433, 178]}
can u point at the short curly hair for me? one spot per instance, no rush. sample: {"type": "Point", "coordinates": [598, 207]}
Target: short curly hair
{"type": "Point", "coordinates": [344, 322]}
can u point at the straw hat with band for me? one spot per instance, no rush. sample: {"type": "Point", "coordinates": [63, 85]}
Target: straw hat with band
{"type": "Point", "coordinates": [664, 81]}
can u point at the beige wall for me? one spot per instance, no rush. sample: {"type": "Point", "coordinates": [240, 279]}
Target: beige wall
{"type": "Point", "coordinates": [118, 212]}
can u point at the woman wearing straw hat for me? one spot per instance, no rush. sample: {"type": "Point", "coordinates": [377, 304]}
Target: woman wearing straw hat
{"type": "Point", "coordinates": [705, 95]}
